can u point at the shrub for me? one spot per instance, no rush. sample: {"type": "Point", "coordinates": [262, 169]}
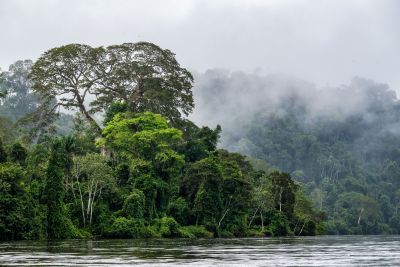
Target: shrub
{"type": "Point", "coordinates": [320, 229]}
{"type": "Point", "coordinates": [309, 229]}
{"type": "Point", "coordinates": [237, 226]}
{"type": "Point", "coordinates": [279, 225]}
{"type": "Point", "coordinates": [179, 209]}
{"type": "Point", "coordinates": [253, 232]}
{"type": "Point", "coordinates": [134, 204]}
{"type": "Point", "coordinates": [185, 233]}
{"type": "Point", "coordinates": [195, 231]}
{"type": "Point", "coordinates": [128, 228]}
{"type": "Point", "coordinates": [169, 227]}
{"type": "Point", "coordinates": [226, 234]}
{"type": "Point", "coordinates": [77, 233]}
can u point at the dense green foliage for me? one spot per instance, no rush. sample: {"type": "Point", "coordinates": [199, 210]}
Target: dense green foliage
{"type": "Point", "coordinates": [54, 192]}
{"type": "Point", "coordinates": [141, 185]}
{"type": "Point", "coordinates": [341, 144]}
{"type": "Point", "coordinates": [146, 173]}
{"type": "Point", "coordinates": [141, 75]}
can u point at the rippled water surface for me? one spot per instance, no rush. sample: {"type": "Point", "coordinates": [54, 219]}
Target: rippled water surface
{"type": "Point", "coordinates": [296, 251]}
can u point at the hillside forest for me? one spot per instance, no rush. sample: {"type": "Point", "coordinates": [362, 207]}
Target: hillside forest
{"type": "Point", "coordinates": [340, 144]}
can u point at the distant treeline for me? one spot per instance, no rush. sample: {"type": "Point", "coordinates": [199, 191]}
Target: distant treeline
{"type": "Point", "coordinates": [342, 144]}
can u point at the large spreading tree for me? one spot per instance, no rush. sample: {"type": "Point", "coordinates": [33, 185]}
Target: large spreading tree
{"type": "Point", "coordinates": [142, 76]}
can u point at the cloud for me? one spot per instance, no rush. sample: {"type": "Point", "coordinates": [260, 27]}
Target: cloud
{"type": "Point", "coordinates": [326, 42]}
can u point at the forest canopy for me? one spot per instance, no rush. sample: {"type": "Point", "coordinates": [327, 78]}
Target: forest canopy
{"type": "Point", "coordinates": [128, 163]}
{"type": "Point", "coordinates": [141, 75]}
{"type": "Point", "coordinates": [341, 143]}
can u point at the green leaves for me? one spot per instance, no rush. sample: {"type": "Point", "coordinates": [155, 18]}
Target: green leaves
{"type": "Point", "coordinates": [149, 144]}
{"type": "Point", "coordinates": [141, 135]}
{"type": "Point", "coordinates": [141, 76]}
{"type": "Point", "coordinates": [15, 207]}
{"type": "Point", "coordinates": [54, 192]}
{"type": "Point", "coordinates": [145, 77]}
{"type": "Point", "coordinates": [134, 204]}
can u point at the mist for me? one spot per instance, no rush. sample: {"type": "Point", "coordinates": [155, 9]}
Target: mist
{"type": "Point", "coordinates": [238, 100]}
{"type": "Point", "coordinates": [325, 42]}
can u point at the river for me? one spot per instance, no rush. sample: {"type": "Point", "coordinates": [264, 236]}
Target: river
{"type": "Point", "coordinates": [288, 251]}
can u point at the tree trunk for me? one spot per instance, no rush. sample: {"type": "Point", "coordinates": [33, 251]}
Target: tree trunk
{"type": "Point", "coordinates": [223, 216]}
{"type": "Point", "coordinates": [295, 227]}
{"type": "Point", "coordinates": [301, 230]}
{"type": "Point", "coordinates": [359, 216]}
{"type": "Point", "coordinates": [85, 113]}
{"type": "Point", "coordinates": [262, 222]}
{"type": "Point", "coordinates": [73, 190]}
{"type": "Point", "coordinates": [82, 204]}
{"type": "Point", "coordinates": [252, 218]}
{"type": "Point", "coordinates": [90, 119]}
{"type": "Point", "coordinates": [321, 200]}
{"type": "Point", "coordinates": [91, 205]}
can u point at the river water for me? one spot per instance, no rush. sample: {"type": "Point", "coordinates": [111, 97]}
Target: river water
{"type": "Point", "coordinates": [288, 251]}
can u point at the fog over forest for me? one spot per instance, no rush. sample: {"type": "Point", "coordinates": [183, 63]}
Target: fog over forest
{"type": "Point", "coordinates": [232, 99]}
{"type": "Point", "coordinates": [340, 142]}
{"type": "Point", "coordinates": [324, 42]}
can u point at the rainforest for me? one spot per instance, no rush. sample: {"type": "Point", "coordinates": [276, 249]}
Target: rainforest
{"type": "Point", "coordinates": [96, 143]}
{"type": "Point", "coordinates": [123, 142]}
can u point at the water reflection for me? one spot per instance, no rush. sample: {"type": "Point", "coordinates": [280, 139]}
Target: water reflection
{"type": "Point", "coordinates": [309, 251]}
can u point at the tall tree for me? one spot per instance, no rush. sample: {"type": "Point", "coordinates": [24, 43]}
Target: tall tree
{"type": "Point", "coordinates": [64, 77]}
{"type": "Point", "coordinates": [202, 186]}
{"type": "Point", "coordinates": [146, 78]}
{"type": "Point", "coordinates": [142, 75]}
{"type": "Point", "coordinates": [16, 88]}
{"type": "Point", "coordinates": [90, 175]}
{"type": "Point", "coordinates": [284, 190]}
{"type": "Point", "coordinates": [150, 145]}
{"type": "Point", "coordinates": [54, 190]}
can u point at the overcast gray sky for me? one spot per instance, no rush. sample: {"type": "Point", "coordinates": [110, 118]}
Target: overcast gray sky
{"type": "Point", "coordinates": [326, 42]}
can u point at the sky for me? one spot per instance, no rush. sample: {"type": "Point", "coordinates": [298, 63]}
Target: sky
{"type": "Point", "coordinates": [324, 42]}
